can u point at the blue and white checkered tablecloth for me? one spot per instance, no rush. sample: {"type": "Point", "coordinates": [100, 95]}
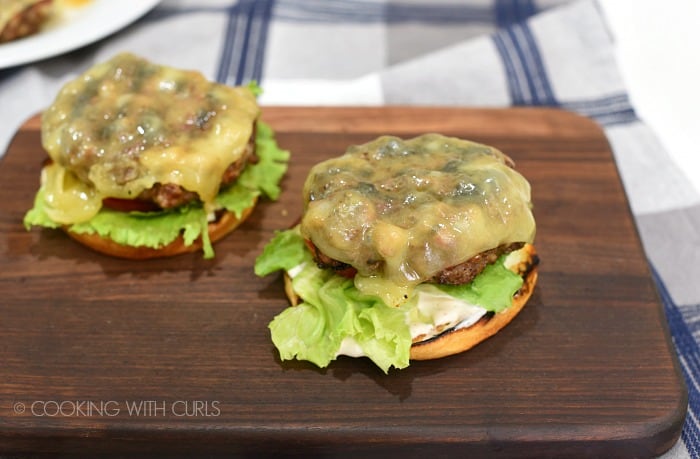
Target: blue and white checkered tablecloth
{"type": "Point", "coordinates": [496, 53]}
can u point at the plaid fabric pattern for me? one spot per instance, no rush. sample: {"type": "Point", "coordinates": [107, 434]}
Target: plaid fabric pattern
{"type": "Point", "coordinates": [495, 53]}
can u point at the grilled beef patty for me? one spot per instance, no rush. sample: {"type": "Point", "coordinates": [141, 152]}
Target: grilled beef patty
{"type": "Point", "coordinates": [462, 273]}
{"type": "Point", "coordinates": [170, 195]}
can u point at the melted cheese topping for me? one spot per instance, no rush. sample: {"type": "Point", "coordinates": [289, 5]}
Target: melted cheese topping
{"type": "Point", "coordinates": [400, 211]}
{"type": "Point", "coordinates": [127, 124]}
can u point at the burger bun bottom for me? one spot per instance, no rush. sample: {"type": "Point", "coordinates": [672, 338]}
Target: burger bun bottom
{"type": "Point", "coordinates": [457, 340]}
{"type": "Point", "coordinates": [225, 224]}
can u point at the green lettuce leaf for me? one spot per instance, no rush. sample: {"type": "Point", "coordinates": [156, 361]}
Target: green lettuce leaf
{"type": "Point", "coordinates": [493, 289]}
{"type": "Point", "coordinates": [147, 229]}
{"type": "Point", "coordinates": [156, 229]}
{"type": "Point", "coordinates": [262, 177]}
{"type": "Point", "coordinates": [37, 216]}
{"type": "Point", "coordinates": [255, 88]}
{"type": "Point", "coordinates": [333, 309]}
{"type": "Point", "coordinates": [283, 252]}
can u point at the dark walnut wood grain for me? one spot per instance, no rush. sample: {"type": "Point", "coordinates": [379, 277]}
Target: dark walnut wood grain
{"type": "Point", "coordinates": [585, 369]}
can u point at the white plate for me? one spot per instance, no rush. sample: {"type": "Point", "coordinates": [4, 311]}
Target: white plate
{"type": "Point", "coordinates": [77, 27]}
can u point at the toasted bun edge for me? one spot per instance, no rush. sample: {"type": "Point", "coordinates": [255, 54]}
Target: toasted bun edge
{"type": "Point", "coordinates": [455, 341]}
{"type": "Point", "coordinates": [217, 230]}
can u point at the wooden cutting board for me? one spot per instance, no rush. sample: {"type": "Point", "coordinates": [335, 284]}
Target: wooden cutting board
{"type": "Point", "coordinates": [104, 355]}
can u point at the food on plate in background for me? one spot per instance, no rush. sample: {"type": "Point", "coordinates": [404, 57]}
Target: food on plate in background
{"type": "Point", "coordinates": [20, 18]}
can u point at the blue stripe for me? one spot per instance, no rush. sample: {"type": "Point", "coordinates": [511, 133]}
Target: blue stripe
{"type": "Point", "coordinates": [615, 100]}
{"type": "Point", "coordinates": [526, 8]}
{"type": "Point", "coordinates": [616, 118]}
{"type": "Point", "coordinates": [509, 12]}
{"type": "Point", "coordinates": [244, 47]}
{"type": "Point", "coordinates": [527, 77]}
{"type": "Point", "coordinates": [542, 88]}
{"type": "Point", "coordinates": [523, 51]}
{"type": "Point", "coordinates": [256, 40]}
{"type": "Point", "coordinates": [509, 63]}
{"type": "Point", "coordinates": [259, 60]}
{"type": "Point", "coordinates": [245, 40]}
{"type": "Point", "coordinates": [529, 84]}
{"type": "Point", "coordinates": [608, 111]}
{"type": "Point", "coordinates": [224, 58]}
{"type": "Point", "coordinates": [688, 350]}
{"type": "Point", "coordinates": [227, 49]}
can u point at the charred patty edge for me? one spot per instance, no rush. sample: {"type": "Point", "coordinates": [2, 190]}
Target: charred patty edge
{"type": "Point", "coordinates": [459, 274]}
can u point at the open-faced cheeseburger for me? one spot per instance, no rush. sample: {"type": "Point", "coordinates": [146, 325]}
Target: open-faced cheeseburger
{"type": "Point", "coordinates": [150, 161]}
{"type": "Point", "coordinates": [414, 249]}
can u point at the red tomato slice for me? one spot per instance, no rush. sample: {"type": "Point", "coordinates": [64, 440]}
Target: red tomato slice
{"type": "Point", "coordinates": [348, 272]}
{"type": "Point", "coordinates": [130, 205]}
